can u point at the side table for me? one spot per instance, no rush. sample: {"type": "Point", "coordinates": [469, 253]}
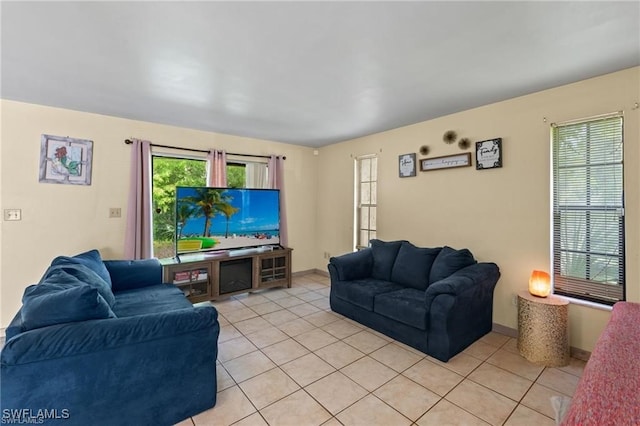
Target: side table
{"type": "Point", "coordinates": [543, 333]}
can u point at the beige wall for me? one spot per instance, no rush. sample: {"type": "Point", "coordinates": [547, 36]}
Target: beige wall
{"type": "Point", "coordinates": [501, 215]}
{"type": "Point", "coordinates": [68, 219]}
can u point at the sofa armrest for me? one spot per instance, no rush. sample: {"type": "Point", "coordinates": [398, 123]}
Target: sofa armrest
{"type": "Point", "coordinates": [130, 274]}
{"type": "Point", "coordinates": [351, 266]}
{"type": "Point", "coordinates": [460, 309]}
{"type": "Point", "coordinates": [80, 338]}
{"type": "Point", "coordinates": [480, 275]}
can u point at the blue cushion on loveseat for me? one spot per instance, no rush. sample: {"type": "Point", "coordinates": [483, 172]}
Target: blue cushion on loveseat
{"type": "Point", "coordinates": [83, 274]}
{"type": "Point", "coordinates": [124, 277]}
{"type": "Point", "coordinates": [362, 292]}
{"type": "Point", "coordinates": [406, 306]}
{"type": "Point", "coordinates": [413, 265]}
{"type": "Point", "coordinates": [384, 255]}
{"type": "Point", "coordinates": [55, 302]}
{"type": "Point", "coordinates": [450, 260]}
{"type": "Point", "coordinates": [91, 259]}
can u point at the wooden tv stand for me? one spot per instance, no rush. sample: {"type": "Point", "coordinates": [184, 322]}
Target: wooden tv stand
{"type": "Point", "coordinates": [216, 275]}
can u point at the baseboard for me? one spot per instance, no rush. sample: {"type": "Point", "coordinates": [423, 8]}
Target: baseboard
{"type": "Point", "coordinates": [577, 353]}
{"type": "Point", "coordinates": [508, 331]}
{"type": "Point", "coordinates": [310, 272]}
{"type": "Point", "coordinates": [580, 354]}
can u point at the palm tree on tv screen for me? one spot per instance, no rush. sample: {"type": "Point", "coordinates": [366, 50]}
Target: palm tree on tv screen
{"type": "Point", "coordinates": [183, 213]}
{"type": "Point", "coordinates": [207, 200]}
{"type": "Point", "coordinates": [227, 210]}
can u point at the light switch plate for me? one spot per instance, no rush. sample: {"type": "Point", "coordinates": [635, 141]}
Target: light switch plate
{"type": "Point", "coordinates": [12, 214]}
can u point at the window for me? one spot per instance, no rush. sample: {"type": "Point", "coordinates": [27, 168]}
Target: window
{"type": "Point", "coordinates": [169, 171]}
{"type": "Point", "coordinates": [588, 209]}
{"type": "Point", "coordinates": [236, 175]}
{"type": "Point", "coordinates": [366, 172]}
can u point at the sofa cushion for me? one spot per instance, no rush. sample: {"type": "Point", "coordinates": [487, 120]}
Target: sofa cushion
{"type": "Point", "coordinates": [57, 303]}
{"type": "Point", "coordinates": [448, 261]}
{"type": "Point", "coordinates": [150, 300]}
{"type": "Point", "coordinates": [413, 265]}
{"type": "Point", "coordinates": [362, 292]}
{"type": "Point", "coordinates": [91, 259]}
{"type": "Point", "coordinates": [384, 256]}
{"type": "Point", "coordinates": [129, 274]}
{"type": "Point", "coordinates": [83, 274]}
{"type": "Point", "coordinates": [406, 306]}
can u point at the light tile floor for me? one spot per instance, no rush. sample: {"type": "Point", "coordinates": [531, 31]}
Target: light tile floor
{"type": "Point", "coordinates": [286, 359]}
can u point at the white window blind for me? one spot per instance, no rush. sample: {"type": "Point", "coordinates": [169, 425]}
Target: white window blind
{"type": "Point", "coordinates": [588, 209]}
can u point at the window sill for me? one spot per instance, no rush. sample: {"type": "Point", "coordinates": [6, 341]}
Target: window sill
{"type": "Point", "coordinates": [586, 303]}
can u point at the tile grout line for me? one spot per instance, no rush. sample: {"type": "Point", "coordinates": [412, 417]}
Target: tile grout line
{"type": "Point", "coordinates": [397, 373]}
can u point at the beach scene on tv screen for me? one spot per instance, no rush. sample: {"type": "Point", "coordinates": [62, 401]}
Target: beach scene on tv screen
{"type": "Point", "coordinates": [221, 219]}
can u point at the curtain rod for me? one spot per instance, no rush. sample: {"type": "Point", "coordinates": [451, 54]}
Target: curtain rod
{"type": "Point", "coordinates": [129, 142]}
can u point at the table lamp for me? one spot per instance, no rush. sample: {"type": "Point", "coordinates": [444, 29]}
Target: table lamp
{"type": "Point", "coordinates": [540, 284]}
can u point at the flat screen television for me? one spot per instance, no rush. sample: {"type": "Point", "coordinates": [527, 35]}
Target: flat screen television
{"type": "Point", "coordinates": [210, 219]}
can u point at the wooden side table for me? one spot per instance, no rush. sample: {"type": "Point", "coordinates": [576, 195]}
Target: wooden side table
{"type": "Point", "coordinates": [543, 333]}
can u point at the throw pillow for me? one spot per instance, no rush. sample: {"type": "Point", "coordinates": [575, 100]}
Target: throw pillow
{"type": "Point", "coordinates": [82, 275]}
{"type": "Point", "coordinates": [49, 304]}
{"type": "Point", "coordinates": [384, 255]}
{"type": "Point", "coordinates": [90, 259]}
{"type": "Point", "coordinates": [413, 265]}
{"type": "Point", "coordinates": [450, 260]}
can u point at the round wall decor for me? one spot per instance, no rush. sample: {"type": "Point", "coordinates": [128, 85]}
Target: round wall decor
{"type": "Point", "coordinates": [449, 136]}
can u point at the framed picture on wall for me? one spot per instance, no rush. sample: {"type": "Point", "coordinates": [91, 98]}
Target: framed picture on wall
{"type": "Point", "coordinates": [65, 160]}
{"type": "Point", "coordinates": [407, 165]}
{"type": "Point", "coordinates": [489, 154]}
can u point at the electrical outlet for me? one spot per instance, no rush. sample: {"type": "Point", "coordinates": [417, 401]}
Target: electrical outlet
{"type": "Point", "coordinates": [12, 214]}
{"type": "Point", "coordinates": [514, 300]}
{"type": "Point", "coordinates": [115, 212]}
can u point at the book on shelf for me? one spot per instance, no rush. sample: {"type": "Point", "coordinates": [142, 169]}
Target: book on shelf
{"type": "Point", "coordinates": [202, 274]}
{"type": "Point", "coordinates": [181, 277]}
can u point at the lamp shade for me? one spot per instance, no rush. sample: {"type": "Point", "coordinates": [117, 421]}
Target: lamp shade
{"type": "Point", "coordinates": [540, 284]}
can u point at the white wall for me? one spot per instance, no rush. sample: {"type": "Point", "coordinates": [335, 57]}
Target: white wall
{"type": "Point", "coordinates": [501, 215]}
{"type": "Point", "coordinates": [68, 219]}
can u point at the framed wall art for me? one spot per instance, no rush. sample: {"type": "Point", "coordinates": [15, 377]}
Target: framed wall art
{"type": "Point", "coordinates": [407, 165]}
{"type": "Point", "coordinates": [489, 154]}
{"type": "Point", "coordinates": [65, 160]}
{"type": "Point", "coordinates": [445, 162]}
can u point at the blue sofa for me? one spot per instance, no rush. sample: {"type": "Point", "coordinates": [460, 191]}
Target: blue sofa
{"type": "Point", "coordinates": [437, 300]}
{"type": "Point", "coordinates": [107, 343]}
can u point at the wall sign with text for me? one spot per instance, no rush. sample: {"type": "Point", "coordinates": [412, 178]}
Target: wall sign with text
{"type": "Point", "coordinates": [489, 154]}
{"type": "Point", "coordinates": [445, 162]}
{"type": "Point", "coordinates": [407, 165]}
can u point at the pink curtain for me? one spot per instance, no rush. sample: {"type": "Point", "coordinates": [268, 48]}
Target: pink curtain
{"type": "Point", "coordinates": [138, 235]}
{"type": "Point", "coordinates": [217, 175]}
{"type": "Point", "coordinates": [276, 181]}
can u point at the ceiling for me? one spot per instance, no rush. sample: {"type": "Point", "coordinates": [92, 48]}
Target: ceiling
{"type": "Point", "coordinates": [307, 73]}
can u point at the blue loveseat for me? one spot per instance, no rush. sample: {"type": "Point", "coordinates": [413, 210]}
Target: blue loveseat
{"type": "Point", "coordinates": [107, 343]}
{"type": "Point", "coordinates": [437, 300]}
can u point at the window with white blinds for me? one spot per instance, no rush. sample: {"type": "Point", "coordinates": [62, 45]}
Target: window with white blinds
{"type": "Point", "coordinates": [588, 209]}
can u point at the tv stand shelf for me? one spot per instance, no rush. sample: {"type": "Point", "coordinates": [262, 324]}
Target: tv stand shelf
{"type": "Point", "coordinates": [215, 275]}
